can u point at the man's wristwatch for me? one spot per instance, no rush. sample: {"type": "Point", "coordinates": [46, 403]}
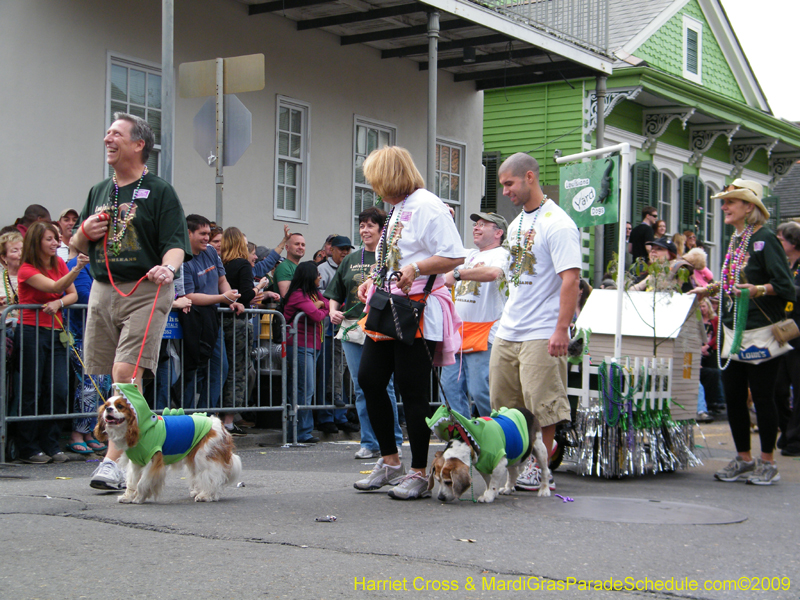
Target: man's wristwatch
{"type": "Point", "coordinates": [416, 270]}
{"type": "Point", "coordinates": [171, 268]}
{"type": "Point", "coordinates": [456, 274]}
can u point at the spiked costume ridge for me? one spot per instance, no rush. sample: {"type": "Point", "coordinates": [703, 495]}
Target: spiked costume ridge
{"type": "Point", "coordinates": [505, 433]}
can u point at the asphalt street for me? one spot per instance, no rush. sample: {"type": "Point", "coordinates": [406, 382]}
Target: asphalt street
{"type": "Point", "coordinates": [61, 539]}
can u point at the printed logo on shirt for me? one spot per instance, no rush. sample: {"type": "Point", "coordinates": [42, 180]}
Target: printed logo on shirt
{"type": "Point", "coordinates": [204, 271]}
{"type": "Point", "coordinates": [406, 215]}
{"type": "Point", "coordinates": [141, 194]}
{"type": "Point", "coordinates": [758, 246]}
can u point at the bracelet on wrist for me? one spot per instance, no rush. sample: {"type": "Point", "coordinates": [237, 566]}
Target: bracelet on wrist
{"type": "Point", "coordinates": [62, 303]}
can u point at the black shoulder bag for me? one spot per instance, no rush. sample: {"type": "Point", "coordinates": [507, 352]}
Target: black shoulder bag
{"type": "Point", "coordinates": [395, 315]}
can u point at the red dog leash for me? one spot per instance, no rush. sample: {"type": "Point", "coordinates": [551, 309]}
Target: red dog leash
{"type": "Point", "coordinates": [104, 217]}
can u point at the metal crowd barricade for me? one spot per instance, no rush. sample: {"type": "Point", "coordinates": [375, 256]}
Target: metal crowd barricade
{"type": "Point", "coordinates": [265, 356]}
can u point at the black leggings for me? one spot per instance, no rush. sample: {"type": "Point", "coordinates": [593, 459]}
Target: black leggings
{"type": "Point", "coordinates": [760, 379]}
{"type": "Point", "coordinates": [412, 370]}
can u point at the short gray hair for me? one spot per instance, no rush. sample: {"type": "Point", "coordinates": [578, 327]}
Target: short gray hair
{"type": "Point", "coordinates": [140, 130]}
{"type": "Point", "coordinates": [790, 231]}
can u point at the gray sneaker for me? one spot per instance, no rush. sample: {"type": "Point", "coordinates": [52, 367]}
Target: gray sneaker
{"type": "Point", "coordinates": [765, 473]}
{"type": "Point", "coordinates": [108, 476]}
{"type": "Point", "coordinates": [735, 469]}
{"type": "Point", "coordinates": [413, 486]}
{"type": "Point", "coordinates": [364, 453]}
{"type": "Point", "coordinates": [382, 474]}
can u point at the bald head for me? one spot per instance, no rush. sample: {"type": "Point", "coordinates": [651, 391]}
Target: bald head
{"type": "Point", "coordinates": [518, 164]}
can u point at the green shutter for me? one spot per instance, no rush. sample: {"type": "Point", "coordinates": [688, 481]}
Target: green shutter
{"type": "Point", "coordinates": [491, 160]}
{"type": "Point", "coordinates": [644, 192]}
{"type": "Point", "coordinates": [774, 208]}
{"type": "Point", "coordinates": [690, 196]}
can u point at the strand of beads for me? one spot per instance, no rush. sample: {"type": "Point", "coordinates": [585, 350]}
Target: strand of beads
{"type": "Point", "coordinates": [734, 260]}
{"type": "Point", "coordinates": [115, 240]}
{"type": "Point", "coordinates": [731, 273]}
{"type": "Point", "coordinates": [519, 251]}
{"type": "Point", "coordinates": [383, 248]}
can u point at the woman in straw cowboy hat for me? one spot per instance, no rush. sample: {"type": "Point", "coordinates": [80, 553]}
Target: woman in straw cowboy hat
{"type": "Point", "coordinates": [755, 263]}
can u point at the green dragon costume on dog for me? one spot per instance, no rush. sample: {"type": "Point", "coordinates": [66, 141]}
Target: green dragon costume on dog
{"type": "Point", "coordinates": [174, 433]}
{"type": "Point", "coordinates": [505, 433]}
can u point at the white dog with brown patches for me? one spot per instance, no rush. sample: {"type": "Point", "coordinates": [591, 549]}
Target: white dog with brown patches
{"type": "Point", "coordinates": [495, 446]}
{"type": "Point", "coordinates": [152, 442]}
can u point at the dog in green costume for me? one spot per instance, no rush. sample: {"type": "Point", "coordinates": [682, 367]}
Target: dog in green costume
{"type": "Point", "coordinates": [495, 446]}
{"type": "Point", "coordinates": [152, 442]}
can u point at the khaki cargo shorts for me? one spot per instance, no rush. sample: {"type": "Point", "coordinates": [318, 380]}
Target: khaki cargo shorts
{"type": "Point", "coordinates": [115, 325]}
{"type": "Point", "coordinates": [523, 374]}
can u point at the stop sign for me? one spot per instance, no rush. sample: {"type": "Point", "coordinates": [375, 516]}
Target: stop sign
{"type": "Point", "coordinates": [236, 130]}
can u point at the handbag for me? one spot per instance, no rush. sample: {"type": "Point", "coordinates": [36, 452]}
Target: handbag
{"type": "Point", "coordinates": [784, 331]}
{"type": "Point", "coordinates": [350, 331]}
{"type": "Point", "coordinates": [396, 316]}
{"type": "Point", "coordinates": [758, 345]}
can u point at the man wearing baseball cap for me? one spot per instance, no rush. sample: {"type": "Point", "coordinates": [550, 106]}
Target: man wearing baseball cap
{"type": "Point", "coordinates": [66, 222]}
{"type": "Point", "coordinates": [479, 302]}
{"type": "Point", "coordinates": [331, 368]}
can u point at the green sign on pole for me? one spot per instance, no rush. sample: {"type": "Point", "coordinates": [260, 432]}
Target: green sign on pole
{"type": "Point", "coordinates": [589, 191]}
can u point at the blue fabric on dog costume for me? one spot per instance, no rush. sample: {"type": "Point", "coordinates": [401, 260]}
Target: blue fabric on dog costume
{"type": "Point", "coordinates": [154, 430]}
{"type": "Point", "coordinates": [514, 446]}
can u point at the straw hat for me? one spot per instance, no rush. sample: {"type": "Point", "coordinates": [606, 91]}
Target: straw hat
{"type": "Point", "coordinates": [749, 191]}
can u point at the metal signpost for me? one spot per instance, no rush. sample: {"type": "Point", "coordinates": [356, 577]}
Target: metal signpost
{"type": "Point", "coordinates": [232, 122]}
{"type": "Point", "coordinates": [623, 181]}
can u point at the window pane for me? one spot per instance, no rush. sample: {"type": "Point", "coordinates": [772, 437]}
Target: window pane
{"type": "Point", "coordinates": [372, 140]}
{"type": "Point", "coordinates": [359, 170]}
{"type": "Point", "coordinates": [296, 142]}
{"type": "Point", "coordinates": [139, 111]}
{"type": "Point", "coordinates": [283, 144]}
{"type": "Point", "coordinates": [152, 162]}
{"type": "Point", "coordinates": [383, 139]}
{"type": "Point", "coordinates": [291, 199]}
{"type": "Point", "coordinates": [119, 83]}
{"type": "Point", "coordinates": [454, 183]}
{"type": "Point", "coordinates": [291, 174]}
{"type": "Point", "coordinates": [445, 183]}
{"type": "Point", "coordinates": [281, 197]}
{"type": "Point", "coordinates": [297, 121]}
{"type": "Point", "coordinates": [116, 107]}
{"type": "Point", "coordinates": [437, 163]}
{"type": "Point", "coordinates": [154, 91]}
{"type": "Point", "coordinates": [281, 171]}
{"type": "Point", "coordinates": [361, 140]}
{"type": "Point", "coordinates": [283, 119]}
{"type": "Point", "coordinates": [137, 89]}
{"type": "Point", "coordinates": [455, 160]}
{"type": "Point", "coordinates": [154, 120]}
{"type": "Point", "coordinates": [445, 163]}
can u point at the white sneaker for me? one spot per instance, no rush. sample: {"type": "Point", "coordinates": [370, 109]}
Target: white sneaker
{"type": "Point", "coordinates": [364, 453]}
{"type": "Point", "coordinates": [108, 476]}
{"type": "Point", "coordinates": [413, 486]}
{"type": "Point", "coordinates": [381, 475]}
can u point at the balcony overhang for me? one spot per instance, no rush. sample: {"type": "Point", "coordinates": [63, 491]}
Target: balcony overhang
{"type": "Point", "coordinates": [490, 47]}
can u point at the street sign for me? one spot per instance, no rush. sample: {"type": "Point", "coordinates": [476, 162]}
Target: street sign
{"type": "Point", "coordinates": [240, 74]}
{"type": "Point", "coordinates": [589, 191]}
{"type": "Point", "coordinates": [237, 134]}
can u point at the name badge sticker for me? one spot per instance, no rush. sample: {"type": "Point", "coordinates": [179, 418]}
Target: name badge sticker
{"type": "Point", "coordinates": [406, 215]}
{"type": "Point", "coordinates": [141, 194]}
{"type": "Point", "coordinates": [758, 246]}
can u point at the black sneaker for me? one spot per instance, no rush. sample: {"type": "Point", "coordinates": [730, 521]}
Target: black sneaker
{"type": "Point", "coordinates": [349, 427]}
{"type": "Point", "coordinates": [329, 427]}
{"type": "Point", "coordinates": [234, 429]}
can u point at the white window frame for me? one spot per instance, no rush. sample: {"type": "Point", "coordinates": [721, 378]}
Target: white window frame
{"type": "Point", "coordinates": [360, 121]}
{"type": "Point", "coordinates": [300, 213]}
{"type": "Point", "coordinates": [670, 202]}
{"type": "Point", "coordinates": [151, 68]}
{"type": "Point", "coordinates": [692, 24]}
{"type": "Point", "coordinates": [458, 205]}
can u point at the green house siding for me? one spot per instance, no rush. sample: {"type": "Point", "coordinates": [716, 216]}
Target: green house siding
{"type": "Point", "coordinates": [664, 50]}
{"type": "Point", "coordinates": [526, 118]}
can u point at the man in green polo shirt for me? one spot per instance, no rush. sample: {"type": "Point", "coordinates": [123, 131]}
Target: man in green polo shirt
{"type": "Point", "coordinates": [295, 250]}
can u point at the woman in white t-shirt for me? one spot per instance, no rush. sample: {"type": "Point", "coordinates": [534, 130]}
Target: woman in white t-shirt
{"type": "Point", "coordinates": [419, 239]}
